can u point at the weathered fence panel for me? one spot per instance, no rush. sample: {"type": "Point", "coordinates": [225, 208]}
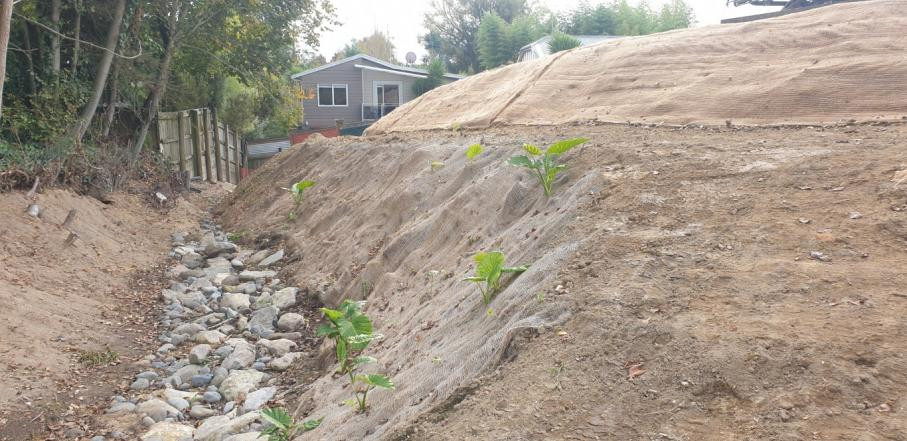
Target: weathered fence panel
{"type": "Point", "coordinates": [193, 142]}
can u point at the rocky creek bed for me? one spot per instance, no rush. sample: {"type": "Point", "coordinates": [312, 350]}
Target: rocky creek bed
{"type": "Point", "coordinates": [228, 328]}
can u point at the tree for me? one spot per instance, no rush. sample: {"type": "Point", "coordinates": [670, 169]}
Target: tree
{"type": "Point", "coordinates": [100, 79]}
{"type": "Point", "coordinates": [494, 49]}
{"type": "Point", "coordinates": [378, 45]}
{"type": "Point", "coordinates": [620, 18]}
{"type": "Point", "coordinates": [6, 13]}
{"type": "Point", "coordinates": [434, 79]}
{"type": "Point", "coordinates": [453, 27]}
{"type": "Point", "coordinates": [562, 42]}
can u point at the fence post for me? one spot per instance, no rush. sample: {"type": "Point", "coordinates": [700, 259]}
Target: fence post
{"type": "Point", "coordinates": [180, 142]}
{"type": "Point", "coordinates": [203, 170]}
{"type": "Point", "coordinates": [206, 115]}
{"type": "Point", "coordinates": [221, 158]}
{"type": "Point", "coordinates": [238, 156]}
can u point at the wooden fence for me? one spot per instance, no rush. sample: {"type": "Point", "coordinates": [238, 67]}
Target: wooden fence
{"type": "Point", "coordinates": [189, 140]}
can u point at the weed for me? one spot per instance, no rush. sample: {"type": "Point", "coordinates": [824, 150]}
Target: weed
{"type": "Point", "coordinates": [546, 167]}
{"type": "Point", "coordinates": [473, 151]}
{"type": "Point", "coordinates": [297, 190]}
{"type": "Point", "coordinates": [435, 165]}
{"type": "Point", "coordinates": [455, 127]}
{"type": "Point", "coordinates": [540, 297]}
{"type": "Point", "coordinates": [236, 237]}
{"type": "Point", "coordinates": [283, 428]}
{"type": "Point", "coordinates": [351, 331]}
{"type": "Point", "coordinates": [489, 267]}
{"type": "Point", "coordinates": [366, 288]}
{"type": "Point", "coordinates": [98, 358]}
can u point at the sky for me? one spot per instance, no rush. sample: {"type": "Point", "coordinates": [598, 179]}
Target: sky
{"type": "Point", "coordinates": [402, 19]}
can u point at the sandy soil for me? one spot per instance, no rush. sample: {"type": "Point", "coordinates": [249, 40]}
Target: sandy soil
{"type": "Point", "coordinates": [725, 284]}
{"type": "Point", "coordinates": [61, 304]}
{"type": "Point", "coordinates": [825, 65]}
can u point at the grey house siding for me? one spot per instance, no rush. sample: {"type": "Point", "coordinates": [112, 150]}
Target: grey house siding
{"type": "Point", "coordinates": [360, 89]}
{"type": "Point", "coordinates": [345, 73]}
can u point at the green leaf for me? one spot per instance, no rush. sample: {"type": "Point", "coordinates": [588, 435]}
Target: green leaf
{"type": "Point", "coordinates": [562, 147]}
{"type": "Point", "coordinates": [522, 161]}
{"type": "Point", "coordinates": [331, 314]}
{"type": "Point", "coordinates": [341, 353]}
{"type": "Point", "coordinates": [364, 359]}
{"type": "Point", "coordinates": [277, 416]}
{"type": "Point", "coordinates": [302, 185]}
{"type": "Point", "coordinates": [489, 263]}
{"type": "Point", "coordinates": [435, 165]}
{"type": "Point", "coordinates": [532, 150]}
{"type": "Point", "coordinates": [376, 380]}
{"type": "Point", "coordinates": [473, 151]}
{"type": "Point", "coordinates": [474, 279]}
{"type": "Point", "coordinates": [362, 324]}
{"type": "Point", "coordinates": [326, 330]}
{"type": "Point", "coordinates": [515, 269]}
{"type": "Point", "coordinates": [363, 340]}
{"type": "Point", "coordinates": [311, 424]}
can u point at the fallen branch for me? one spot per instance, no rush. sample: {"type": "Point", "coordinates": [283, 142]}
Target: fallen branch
{"type": "Point", "coordinates": [69, 218]}
{"type": "Point", "coordinates": [34, 189]}
{"type": "Point", "coordinates": [70, 240]}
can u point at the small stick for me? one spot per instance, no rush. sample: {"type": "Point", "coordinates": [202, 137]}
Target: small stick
{"type": "Point", "coordinates": [69, 240]}
{"type": "Point", "coordinates": [69, 218]}
{"type": "Point", "coordinates": [34, 189]}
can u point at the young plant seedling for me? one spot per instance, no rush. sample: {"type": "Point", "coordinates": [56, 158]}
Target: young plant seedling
{"type": "Point", "coordinates": [435, 165]}
{"type": "Point", "coordinates": [473, 151]}
{"type": "Point", "coordinates": [283, 428]}
{"type": "Point", "coordinates": [351, 331]}
{"type": "Point", "coordinates": [489, 267]}
{"type": "Point", "coordinates": [296, 190]}
{"type": "Point", "coordinates": [545, 166]}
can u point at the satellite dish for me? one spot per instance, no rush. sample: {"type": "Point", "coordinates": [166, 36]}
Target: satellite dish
{"type": "Point", "coordinates": [410, 57]}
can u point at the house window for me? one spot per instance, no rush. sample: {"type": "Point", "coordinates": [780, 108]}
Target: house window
{"type": "Point", "coordinates": [332, 95]}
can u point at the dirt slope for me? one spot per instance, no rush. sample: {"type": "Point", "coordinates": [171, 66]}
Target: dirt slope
{"type": "Point", "coordinates": [829, 64]}
{"type": "Point", "coordinates": [57, 302]}
{"type": "Point", "coordinates": [675, 293]}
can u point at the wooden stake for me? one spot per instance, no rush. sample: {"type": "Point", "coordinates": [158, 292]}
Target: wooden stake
{"type": "Point", "coordinates": [70, 240]}
{"type": "Point", "coordinates": [69, 218]}
{"type": "Point", "coordinates": [34, 189]}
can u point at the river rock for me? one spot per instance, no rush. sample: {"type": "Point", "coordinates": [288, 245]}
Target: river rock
{"type": "Point", "coordinates": [247, 276]}
{"type": "Point", "coordinates": [156, 409]}
{"type": "Point", "coordinates": [236, 301]}
{"type": "Point", "coordinates": [259, 398]}
{"type": "Point", "coordinates": [284, 298]}
{"type": "Point", "coordinates": [290, 322]}
{"type": "Point", "coordinates": [242, 356]}
{"type": "Point", "coordinates": [284, 362]}
{"type": "Point", "coordinates": [270, 260]}
{"type": "Point", "coordinates": [277, 348]}
{"type": "Point", "coordinates": [240, 382]}
{"type": "Point", "coordinates": [264, 317]}
{"type": "Point", "coordinates": [199, 353]}
{"type": "Point", "coordinates": [218, 427]}
{"type": "Point", "coordinates": [167, 431]}
{"type": "Point", "coordinates": [210, 337]}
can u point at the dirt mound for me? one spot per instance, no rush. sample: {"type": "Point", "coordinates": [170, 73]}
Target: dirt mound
{"type": "Point", "coordinates": [834, 63]}
{"type": "Point", "coordinates": [60, 303]}
{"type": "Point", "coordinates": [685, 284]}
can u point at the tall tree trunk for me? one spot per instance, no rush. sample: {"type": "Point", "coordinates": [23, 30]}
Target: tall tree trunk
{"type": "Point", "coordinates": [154, 99]}
{"type": "Point", "coordinates": [78, 31]}
{"type": "Point", "coordinates": [6, 15]}
{"type": "Point", "coordinates": [29, 61]}
{"type": "Point", "coordinates": [100, 79]}
{"type": "Point", "coordinates": [112, 99]}
{"type": "Point", "coordinates": [55, 38]}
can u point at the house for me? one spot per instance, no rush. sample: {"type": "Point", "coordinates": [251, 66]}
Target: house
{"type": "Point", "coordinates": [261, 150]}
{"type": "Point", "coordinates": [356, 90]}
{"type": "Point", "coordinates": [539, 48]}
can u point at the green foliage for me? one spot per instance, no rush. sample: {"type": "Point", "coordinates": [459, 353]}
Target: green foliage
{"type": "Point", "coordinates": [434, 79]}
{"type": "Point", "coordinates": [297, 191]}
{"type": "Point", "coordinates": [473, 151]}
{"type": "Point", "coordinates": [544, 163]}
{"type": "Point", "coordinates": [494, 49]}
{"type": "Point", "coordinates": [620, 18]}
{"type": "Point", "coordinates": [489, 268]}
{"type": "Point", "coordinates": [282, 427]}
{"type": "Point", "coordinates": [98, 358]}
{"type": "Point", "coordinates": [378, 45]}
{"type": "Point", "coordinates": [453, 27]}
{"type": "Point", "coordinates": [561, 42]}
{"type": "Point", "coordinates": [351, 331]}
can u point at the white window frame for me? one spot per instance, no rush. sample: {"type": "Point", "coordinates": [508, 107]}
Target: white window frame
{"type": "Point", "coordinates": [318, 87]}
{"type": "Point", "coordinates": [377, 83]}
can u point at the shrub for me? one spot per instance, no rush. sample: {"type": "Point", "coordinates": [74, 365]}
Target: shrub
{"type": "Point", "coordinates": [561, 42]}
{"type": "Point", "coordinates": [545, 167]}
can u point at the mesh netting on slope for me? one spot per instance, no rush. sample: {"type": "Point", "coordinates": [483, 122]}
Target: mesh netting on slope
{"type": "Point", "coordinates": [840, 62]}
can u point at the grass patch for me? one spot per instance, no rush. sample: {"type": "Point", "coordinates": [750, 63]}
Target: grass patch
{"type": "Point", "coordinates": [98, 358]}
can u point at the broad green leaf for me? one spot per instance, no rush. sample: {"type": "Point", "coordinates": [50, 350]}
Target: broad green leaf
{"type": "Point", "coordinates": [350, 307]}
{"type": "Point", "coordinates": [331, 314]}
{"type": "Point", "coordinates": [364, 359]}
{"type": "Point", "coordinates": [346, 328]}
{"type": "Point", "coordinates": [311, 424]}
{"type": "Point", "coordinates": [277, 416]}
{"type": "Point", "coordinates": [377, 380]}
{"type": "Point", "coordinates": [522, 161]}
{"type": "Point", "coordinates": [552, 173]}
{"type": "Point", "coordinates": [489, 263]}
{"type": "Point", "coordinates": [532, 150]}
{"type": "Point", "coordinates": [473, 151]}
{"type": "Point", "coordinates": [562, 147]}
{"type": "Point", "coordinates": [515, 269]}
{"type": "Point", "coordinates": [302, 185]}
{"type": "Point", "coordinates": [357, 340]}
{"type": "Point", "coordinates": [326, 330]}
{"type": "Point", "coordinates": [362, 324]}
